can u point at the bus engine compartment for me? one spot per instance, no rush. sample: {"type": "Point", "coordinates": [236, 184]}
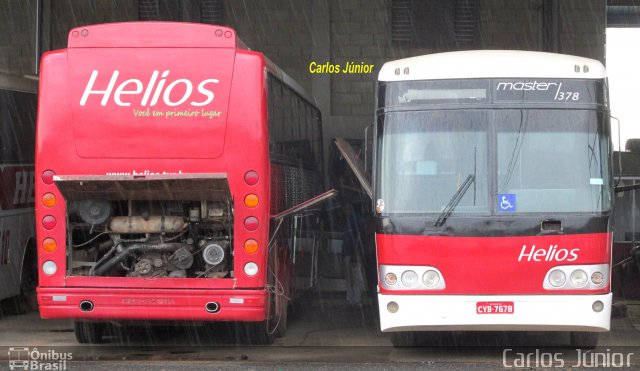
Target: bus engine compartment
{"type": "Point", "coordinates": [159, 236]}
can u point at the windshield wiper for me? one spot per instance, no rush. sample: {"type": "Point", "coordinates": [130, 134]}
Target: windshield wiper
{"type": "Point", "coordinates": [455, 200]}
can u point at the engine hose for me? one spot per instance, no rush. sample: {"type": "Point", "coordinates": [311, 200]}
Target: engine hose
{"type": "Point", "coordinates": [135, 248]}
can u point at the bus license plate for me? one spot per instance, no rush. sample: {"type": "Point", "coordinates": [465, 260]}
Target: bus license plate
{"type": "Point", "coordinates": [500, 307]}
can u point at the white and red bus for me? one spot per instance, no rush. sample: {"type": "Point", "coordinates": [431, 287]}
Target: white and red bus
{"type": "Point", "coordinates": [176, 180]}
{"type": "Point", "coordinates": [492, 189]}
{"type": "Point", "coordinates": [18, 101]}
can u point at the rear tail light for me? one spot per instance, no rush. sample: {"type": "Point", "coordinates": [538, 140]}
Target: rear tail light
{"type": "Point", "coordinates": [251, 177]}
{"type": "Point", "coordinates": [251, 223]}
{"type": "Point", "coordinates": [49, 245]}
{"type": "Point", "coordinates": [49, 222]}
{"type": "Point", "coordinates": [47, 176]}
{"type": "Point", "coordinates": [577, 277]}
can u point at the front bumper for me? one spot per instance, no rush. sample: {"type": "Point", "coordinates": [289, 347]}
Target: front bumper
{"type": "Point", "coordinates": [531, 313]}
{"type": "Point", "coordinates": [152, 304]}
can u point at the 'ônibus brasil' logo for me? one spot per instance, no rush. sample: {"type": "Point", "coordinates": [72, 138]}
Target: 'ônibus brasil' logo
{"type": "Point", "coordinates": [550, 254]}
{"type": "Point", "coordinates": [148, 94]}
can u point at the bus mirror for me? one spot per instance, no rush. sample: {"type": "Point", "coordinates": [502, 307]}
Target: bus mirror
{"type": "Point", "coordinates": [355, 164]}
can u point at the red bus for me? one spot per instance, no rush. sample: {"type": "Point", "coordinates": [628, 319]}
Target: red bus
{"type": "Point", "coordinates": [492, 189]}
{"type": "Point", "coordinates": [176, 180]}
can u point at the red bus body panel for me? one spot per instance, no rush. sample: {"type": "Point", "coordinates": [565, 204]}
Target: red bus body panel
{"type": "Point", "coordinates": [514, 265]}
{"type": "Point", "coordinates": [204, 113]}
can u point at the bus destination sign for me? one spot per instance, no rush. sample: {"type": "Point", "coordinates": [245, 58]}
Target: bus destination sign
{"type": "Point", "coordinates": [546, 90]}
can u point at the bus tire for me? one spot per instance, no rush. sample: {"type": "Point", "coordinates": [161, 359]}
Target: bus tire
{"type": "Point", "coordinates": [403, 339]}
{"type": "Point", "coordinates": [25, 301]}
{"type": "Point", "coordinates": [88, 332]}
{"type": "Point", "coordinates": [586, 340]}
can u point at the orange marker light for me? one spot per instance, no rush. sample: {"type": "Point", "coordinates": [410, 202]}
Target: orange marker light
{"type": "Point", "coordinates": [48, 200]}
{"type": "Point", "coordinates": [251, 246]}
{"type": "Point", "coordinates": [49, 245]}
{"type": "Point", "coordinates": [251, 200]}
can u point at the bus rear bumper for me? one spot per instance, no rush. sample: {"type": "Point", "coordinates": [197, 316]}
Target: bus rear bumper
{"type": "Point", "coordinates": [460, 313]}
{"type": "Point", "coordinates": [152, 304]}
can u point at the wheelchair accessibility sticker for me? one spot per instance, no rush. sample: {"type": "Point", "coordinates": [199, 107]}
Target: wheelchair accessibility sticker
{"type": "Point", "coordinates": [507, 202]}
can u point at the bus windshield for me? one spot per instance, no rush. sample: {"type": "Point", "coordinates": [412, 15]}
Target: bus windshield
{"type": "Point", "coordinates": [521, 160]}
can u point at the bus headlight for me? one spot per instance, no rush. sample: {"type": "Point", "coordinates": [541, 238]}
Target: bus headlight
{"type": "Point", "coordinates": [557, 278]}
{"type": "Point", "coordinates": [579, 278]}
{"type": "Point", "coordinates": [49, 268]}
{"type": "Point", "coordinates": [597, 278]}
{"type": "Point", "coordinates": [409, 278]}
{"type": "Point", "coordinates": [391, 279]}
{"type": "Point", "coordinates": [430, 278]}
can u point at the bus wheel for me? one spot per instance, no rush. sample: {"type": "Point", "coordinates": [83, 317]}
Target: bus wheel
{"type": "Point", "coordinates": [587, 340]}
{"type": "Point", "coordinates": [25, 301]}
{"type": "Point", "coordinates": [88, 332]}
{"type": "Point", "coordinates": [403, 339]}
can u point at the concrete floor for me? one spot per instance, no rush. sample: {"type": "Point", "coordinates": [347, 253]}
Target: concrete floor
{"type": "Point", "coordinates": [322, 329]}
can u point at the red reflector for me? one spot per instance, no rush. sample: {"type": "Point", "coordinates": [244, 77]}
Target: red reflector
{"type": "Point", "coordinates": [251, 223]}
{"type": "Point", "coordinates": [47, 176]}
{"type": "Point", "coordinates": [251, 178]}
{"type": "Point", "coordinates": [48, 222]}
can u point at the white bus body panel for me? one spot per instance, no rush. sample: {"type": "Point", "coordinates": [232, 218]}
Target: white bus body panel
{"type": "Point", "coordinates": [531, 313]}
{"type": "Point", "coordinates": [491, 64]}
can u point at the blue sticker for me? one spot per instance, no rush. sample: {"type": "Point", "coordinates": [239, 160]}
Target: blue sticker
{"type": "Point", "coordinates": [507, 202]}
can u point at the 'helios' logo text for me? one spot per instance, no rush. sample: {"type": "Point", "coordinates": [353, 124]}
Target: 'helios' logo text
{"type": "Point", "coordinates": [150, 93]}
{"type": "Point", "coordinates": [550, 254]}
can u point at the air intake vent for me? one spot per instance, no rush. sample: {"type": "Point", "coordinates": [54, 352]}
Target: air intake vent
{"type": "Point", "coordinates": [402, 29]}
{"type": "Point", "coordinates": [465, 21]}
{"type": "Point", "coordinates": [212, 12]}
